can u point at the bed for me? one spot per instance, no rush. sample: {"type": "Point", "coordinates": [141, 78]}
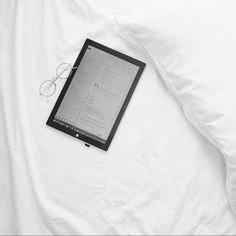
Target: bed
{"type": "Point", "coordinates": [161, 176]}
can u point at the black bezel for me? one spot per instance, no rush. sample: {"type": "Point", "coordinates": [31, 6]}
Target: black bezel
{"type": "Point", "coordinates": [50, 121]}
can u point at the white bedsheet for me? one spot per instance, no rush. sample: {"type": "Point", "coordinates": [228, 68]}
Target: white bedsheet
{"type": "Point", "coordinates": [159, 175]}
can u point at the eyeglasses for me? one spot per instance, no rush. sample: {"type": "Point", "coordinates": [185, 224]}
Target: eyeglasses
{"type": "Point", "coordinates": [48, 87]}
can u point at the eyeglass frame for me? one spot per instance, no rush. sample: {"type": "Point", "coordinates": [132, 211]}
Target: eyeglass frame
{"type": "Point", "coordinates": [55, 78]}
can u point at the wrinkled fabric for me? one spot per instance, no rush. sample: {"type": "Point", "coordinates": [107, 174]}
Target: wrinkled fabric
{"type": "Point", "coordinates": [158, 177]}
{"type": "Point", "coordinates": [192, 45]}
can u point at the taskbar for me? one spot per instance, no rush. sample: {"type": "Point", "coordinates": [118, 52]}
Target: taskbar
{"type": "Point", "coordinates": [78, 130]}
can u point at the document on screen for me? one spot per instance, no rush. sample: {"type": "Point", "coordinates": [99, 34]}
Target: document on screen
{"type": "Point", "coordinates": [97, 93]}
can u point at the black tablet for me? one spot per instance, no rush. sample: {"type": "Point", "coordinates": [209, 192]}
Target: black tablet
{"type": "Point", "coordinates": [96, 94]}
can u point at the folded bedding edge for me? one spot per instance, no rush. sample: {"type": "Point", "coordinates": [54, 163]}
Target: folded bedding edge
{"type": "Point", "coordinates": [185, 107]}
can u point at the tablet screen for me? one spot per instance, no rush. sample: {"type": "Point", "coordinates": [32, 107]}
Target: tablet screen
{"type": "Point", "coordinates": [96, 93]}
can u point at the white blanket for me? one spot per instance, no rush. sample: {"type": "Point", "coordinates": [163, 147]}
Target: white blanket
{"type": "Point", "coordinates": [160, 175]}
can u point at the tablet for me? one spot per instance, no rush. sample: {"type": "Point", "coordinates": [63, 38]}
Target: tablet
{"type": "Point", "coordinates": [96, 94]}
